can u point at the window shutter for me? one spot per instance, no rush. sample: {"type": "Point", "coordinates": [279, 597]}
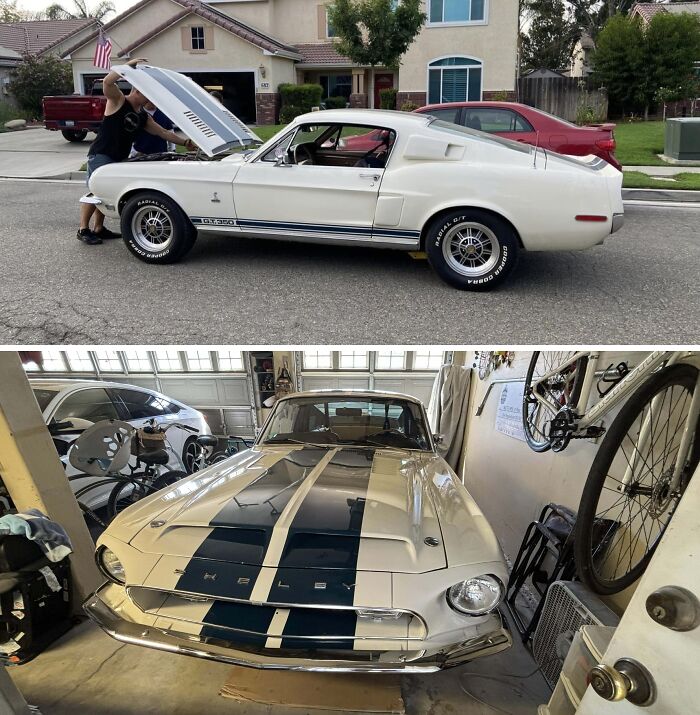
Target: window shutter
{"type": "Point", "coordinates": [186, 35]}
{"type": "Point", "coordinates": [208, 38]}
{"type": "Point", "coordinates": [321, 11]}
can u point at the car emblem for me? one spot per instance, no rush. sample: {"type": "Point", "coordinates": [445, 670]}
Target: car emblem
{"type": "Point", "coordinates": [431, 541]}
{"type": "Point", "coordinates": [243, 580]}
{"type": "Point", "coordinates": [349, 586]}
{"type": "Point", "coordinates": [281, 584]}
{"type": "Point", "coordinates": [320, 586]}
{"type": "Point", "coordinates": [209, 576]}
{"type": "Point", "coordinates": [157, 523]}
{"type": "Point", "coordinates": [216, 199]}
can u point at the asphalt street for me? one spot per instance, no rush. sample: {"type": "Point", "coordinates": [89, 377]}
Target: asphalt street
{"type": "Point", "coordinates": [641, 287]}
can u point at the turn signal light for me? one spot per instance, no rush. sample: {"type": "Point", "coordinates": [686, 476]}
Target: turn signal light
{"type": "Point", "coordinates": [591, 217]}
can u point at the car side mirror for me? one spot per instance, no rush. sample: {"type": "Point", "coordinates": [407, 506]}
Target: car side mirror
{"type": "Point", "coordinates": [281, 157]}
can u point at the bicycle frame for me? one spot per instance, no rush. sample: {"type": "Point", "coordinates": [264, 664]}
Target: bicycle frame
{"type": "Point", "coordinates": [618, 394]}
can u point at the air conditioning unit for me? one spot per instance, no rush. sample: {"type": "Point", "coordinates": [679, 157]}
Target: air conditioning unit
{"type": "Point", "coordinates": [568, 605]}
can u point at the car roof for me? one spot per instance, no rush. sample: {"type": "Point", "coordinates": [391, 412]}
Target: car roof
{"type": "Point", "coordinates": [506, 105]}
{"type": "Point", "coordinates": [351, 393]}
{"type": "Point", "coordinates": [67, 383]}
{"type": "Point", "coordinates": [371, 117]}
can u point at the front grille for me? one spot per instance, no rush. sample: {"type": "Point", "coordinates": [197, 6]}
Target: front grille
{"type": "Point", "coordinates": [292, 627]}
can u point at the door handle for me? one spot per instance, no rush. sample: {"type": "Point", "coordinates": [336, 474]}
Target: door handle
{"type": "Point", "coordinates": [374, 177]}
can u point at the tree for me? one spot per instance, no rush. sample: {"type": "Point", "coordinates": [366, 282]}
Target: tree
{"type": "Point", "coordinates": [672, 45]}
{"type": "Point", "coordinates": [375, 32]}
{"type": "Point", "coordinates": [619, 65]}
{"type": "Point", "coordinates": [80, 10]}
{"type": "Point", "coordinates": [9, 11]}
{"type": "Point", "coordinates": [36, 77]}
{"type": "Point", "coordinates": [550, 37]}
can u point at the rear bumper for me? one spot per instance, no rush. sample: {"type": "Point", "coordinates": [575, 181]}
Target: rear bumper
{"type": "Point", "coordinates": [495, 640]}
{"type": "Point", "coordinates": [618, 221]}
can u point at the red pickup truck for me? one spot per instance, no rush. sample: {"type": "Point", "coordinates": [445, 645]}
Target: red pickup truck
{"type": "Point", "coordinates": [74, 115]}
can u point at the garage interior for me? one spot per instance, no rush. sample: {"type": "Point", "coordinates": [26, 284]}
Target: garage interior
{"type": "Point", "coordinates": [85, 671]}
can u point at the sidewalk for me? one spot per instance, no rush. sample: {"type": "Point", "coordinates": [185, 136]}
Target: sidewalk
{"type": "Point", "coordinates": [664, 170]}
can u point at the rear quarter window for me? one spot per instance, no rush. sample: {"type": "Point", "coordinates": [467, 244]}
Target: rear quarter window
{"type": "Point", "coordinates": [457, 129]}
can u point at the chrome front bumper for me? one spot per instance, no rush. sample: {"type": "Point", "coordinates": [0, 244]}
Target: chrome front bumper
{"type": "Point", "coordinates": [279, 659]}
{"type": "Point", "coordinates": [618, 221]}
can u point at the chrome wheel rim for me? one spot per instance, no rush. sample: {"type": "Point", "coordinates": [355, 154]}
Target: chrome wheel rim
{"type": "Point", "coordinates": [191, 457]}
{"type": "Point", "coordinates": [471, 249]}
{"type": "Point", "coordinates": [152, 228]}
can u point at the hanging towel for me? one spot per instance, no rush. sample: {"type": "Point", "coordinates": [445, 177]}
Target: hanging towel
{"type": "Point", "coordinates": [49, 536]}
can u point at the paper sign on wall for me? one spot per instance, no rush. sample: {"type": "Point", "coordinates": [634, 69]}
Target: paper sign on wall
{"type": "Point", "coordinates": [509, 415]}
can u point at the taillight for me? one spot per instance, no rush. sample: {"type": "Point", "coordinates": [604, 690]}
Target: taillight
{"type": "Point", "coordinates": [606, 144]}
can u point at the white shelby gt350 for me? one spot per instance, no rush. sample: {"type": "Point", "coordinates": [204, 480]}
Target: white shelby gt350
{"type": "Point", "coordinates": [472, 201]}
{"type": "Point", "coordinates": [340, 541]}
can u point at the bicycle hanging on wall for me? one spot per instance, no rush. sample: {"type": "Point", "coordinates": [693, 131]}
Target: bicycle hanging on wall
{"type": "Point", "coordinates": [645, 460]}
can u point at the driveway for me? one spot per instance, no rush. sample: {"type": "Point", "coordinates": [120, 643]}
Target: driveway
{"type": "Point", "coordinates": [38, 153]}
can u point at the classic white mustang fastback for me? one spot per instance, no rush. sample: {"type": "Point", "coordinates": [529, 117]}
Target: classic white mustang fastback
{"type": "Point", "coordinates": [341, 541]}
{"type": "Point", "coordinates": [472, 201]}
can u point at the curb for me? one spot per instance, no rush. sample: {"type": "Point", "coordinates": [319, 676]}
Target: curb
{"type": "Point", "coordinates": [670, 195]}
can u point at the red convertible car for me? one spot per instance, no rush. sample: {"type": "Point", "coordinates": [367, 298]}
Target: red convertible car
{"type": "Point", "coordinates": [519, 122]}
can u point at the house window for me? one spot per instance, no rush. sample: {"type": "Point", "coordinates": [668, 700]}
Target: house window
{"type": "Point", "coordinates": [454, 79]}
{"type": "Point", "coordinates": [336, 85]}
{"type": "Point", "coordinates": [137, 361]}
{"type": "Point", "coordinates": [197, 38]}
{"type": "Point", "coordinates": [330, 32]}
{"type": "Point", "coordinates": [53, 361]}
{"type": "Point", "coordinates": [108, 361]}
{"type": "Point", "coordinates": [457, 11]}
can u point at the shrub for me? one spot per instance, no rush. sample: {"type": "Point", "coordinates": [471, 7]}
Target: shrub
{"type": "Point", "coordinates": [36, 77]}
{"type": "Point", "coordinates": [289, 113]}
{"type": "Point", "coordinates": [388, 98]}
{"type": "Point", "coordinates": [336, 103]}
{"type": "Point", "coordinates": [501, 96]}
{"type": "Point", "coordinates": [409, 107]}
{"type": "Point", "coordinates": [303, 96]}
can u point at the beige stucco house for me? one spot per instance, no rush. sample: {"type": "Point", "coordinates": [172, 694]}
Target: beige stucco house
{"type": "Point", "coordinates": [247, 48]}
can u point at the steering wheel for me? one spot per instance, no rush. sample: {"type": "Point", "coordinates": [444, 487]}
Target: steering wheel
{"type": "Point", "coordinates": [303, 149]}
{"type": "Point", "coordinates": [379, 149]}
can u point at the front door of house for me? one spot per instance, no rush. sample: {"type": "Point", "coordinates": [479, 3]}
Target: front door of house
{"type": "Point", "coordinates": [384, 80]}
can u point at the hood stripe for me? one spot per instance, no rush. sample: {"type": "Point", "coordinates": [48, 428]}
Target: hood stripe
{"type": "Point", "coordinates": [242, 529]}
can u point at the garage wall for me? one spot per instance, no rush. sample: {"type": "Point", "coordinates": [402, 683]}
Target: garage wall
{"type": "Point", "coordinates": [510, 482]}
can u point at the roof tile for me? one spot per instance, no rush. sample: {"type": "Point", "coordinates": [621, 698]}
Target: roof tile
{"type": "Point", "coordinates": [36, 36]}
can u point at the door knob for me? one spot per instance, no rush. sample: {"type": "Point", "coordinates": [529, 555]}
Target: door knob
{"type": "Point", "coordinates": [674, 607]}
{"type": "Point", "coordinates": [626, 680]}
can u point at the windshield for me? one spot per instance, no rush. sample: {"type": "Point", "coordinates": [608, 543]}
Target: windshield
{"type": "Point", "coordinates": [379, 421]}
{"type": "Point", "coordinates": [482, 136]}
{"type": "Point", "coordinates": [44, 396]}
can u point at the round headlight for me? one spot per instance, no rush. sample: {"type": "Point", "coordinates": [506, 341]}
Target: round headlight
{"type": "Point", "coordinates": [110, 565]}
{"type": "Point", "coordinates": [476, 596]}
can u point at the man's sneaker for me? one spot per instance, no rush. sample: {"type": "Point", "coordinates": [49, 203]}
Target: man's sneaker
{"type": "Point", "coordinates": [105, 233]}
{"type": "Point", "coordinates": [87, 236]}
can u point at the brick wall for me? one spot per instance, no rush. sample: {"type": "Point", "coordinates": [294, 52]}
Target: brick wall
{"type": "Point", "coordinates": [417, 98]}
{"type": "Point", "coordinates": [267, 107]}
{"type": "Point", "coordinates": [499, 95]}
{"type": "Point", "coordinates": [358, 101]}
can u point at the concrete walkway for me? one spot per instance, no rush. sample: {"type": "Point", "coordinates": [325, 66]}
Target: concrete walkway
{"type": "Point", "coordinates": [39, 153]}
{"type": "Point", "coordinates": [664, 170]}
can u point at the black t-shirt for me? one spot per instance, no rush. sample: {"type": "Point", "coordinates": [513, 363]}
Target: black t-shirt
{"type": "Point", "coordinates": [118, 131]}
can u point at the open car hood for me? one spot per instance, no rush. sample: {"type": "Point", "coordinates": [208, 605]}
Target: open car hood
{"type": "Point", "coordinates": [201, 117]}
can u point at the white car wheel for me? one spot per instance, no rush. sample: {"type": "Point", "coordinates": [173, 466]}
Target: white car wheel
{"type": "Point", "coordinates": [471, 249]}
{"type": "Point", "coordinates": [152, 228]}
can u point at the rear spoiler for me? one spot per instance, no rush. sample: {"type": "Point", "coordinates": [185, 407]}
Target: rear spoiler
{"type": "Point", "coordinates": [606, 127]}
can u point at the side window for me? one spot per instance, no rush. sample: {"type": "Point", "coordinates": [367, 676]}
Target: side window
{"type": "Point", "coordinates": [496, 120]}
{"type": "Point", "coordinates": [451, 114]}
{"type": "Point", "coordinates": [92, 404]}
{"type": "Point", "coordinates": [142, 405]}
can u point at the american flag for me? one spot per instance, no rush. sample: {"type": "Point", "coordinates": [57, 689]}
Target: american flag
{"type": "Point", "coordinates": [103, 52]}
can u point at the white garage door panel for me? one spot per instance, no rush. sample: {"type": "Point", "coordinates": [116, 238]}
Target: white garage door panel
{"type": "Point", "coordinates": [419, 387]}
{"type": "Point", "coordinates": [149, 382]}
{"type": "Point", "coordinates": [191, 390]}
{"type": "Point", "coordinates": [233, 390]}
{"type": "Point", "coordinates": [239, 422]}
{"type": "Point", "coordinates": [332, 382]}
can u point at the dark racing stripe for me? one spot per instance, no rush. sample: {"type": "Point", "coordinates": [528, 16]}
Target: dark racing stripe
{"type": "Point", "coordinates": [241, 530]}
{"type": "Point", "coordinates": [319, 560]}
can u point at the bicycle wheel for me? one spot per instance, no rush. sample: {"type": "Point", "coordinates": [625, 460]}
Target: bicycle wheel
{"type": "Point", "coordinates": [218, 457]}
{"type": "Point", "coordinates": [618, 527]}
{"type": "Point", "coordinates": [125, 494]}
{"type": "Point", "coordinates": [560, 390]}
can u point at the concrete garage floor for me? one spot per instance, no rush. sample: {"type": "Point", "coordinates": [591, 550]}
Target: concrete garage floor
{"type": "Point", "coordinates": [87, 672]}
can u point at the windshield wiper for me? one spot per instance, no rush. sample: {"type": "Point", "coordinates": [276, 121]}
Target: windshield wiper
{"type": "Point", "coordinates": [286, 440]}
{"type": "Point", "coordinates": [383, 445]}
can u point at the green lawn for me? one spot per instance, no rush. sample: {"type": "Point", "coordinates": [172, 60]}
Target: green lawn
{"type": "Point", "coordinates": [267, 131]}
{"type": "Point", "coordinates": [638, 180]}
{"type": "Point", "coordinates": [638, 143]}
